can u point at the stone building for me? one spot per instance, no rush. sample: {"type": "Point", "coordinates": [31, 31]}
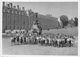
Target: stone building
{"type": "Point", "coordinates": [13, 17]}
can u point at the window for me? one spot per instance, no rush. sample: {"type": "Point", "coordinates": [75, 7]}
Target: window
{"type": "Point", "coordinates": [8, 11]}
{"type": "Point", "coordinates": [19, 12]}
{"type": "Point", "coordinates": [24, 22]}
{"type": "Point", "coordinates": [12, 11]}
{"type": "Point", "coordinates": [3, 9]}
{"type": "Point", "coordinates": [16, 12]}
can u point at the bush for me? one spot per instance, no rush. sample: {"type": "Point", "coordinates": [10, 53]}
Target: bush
{"type": "Point", "coordinates": [76, 21]}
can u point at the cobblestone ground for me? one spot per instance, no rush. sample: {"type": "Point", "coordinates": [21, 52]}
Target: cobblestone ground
{"type": "Point", "coordinates": [35, 49]}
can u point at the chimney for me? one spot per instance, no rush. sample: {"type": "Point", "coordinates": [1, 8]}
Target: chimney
{"type": "Point", "coordinates": [23, 8]}
{"type": "Point", "coordinates": [8, 5]}
{"type": "Point", "coordinates": [11, 5]}
{"type": "Point", "coordinates": [26, 12]}
{"type": "Point", "coordinates": [3, 3]}
{"type": "Point", "coordinates": [17, 6]}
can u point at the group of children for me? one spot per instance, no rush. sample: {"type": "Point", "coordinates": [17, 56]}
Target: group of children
{"type": "Point", "coordinates": [57, 40]}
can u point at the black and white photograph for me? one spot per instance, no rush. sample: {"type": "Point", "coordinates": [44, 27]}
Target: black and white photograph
{"type": "Point", "coordinates": [40, 28]}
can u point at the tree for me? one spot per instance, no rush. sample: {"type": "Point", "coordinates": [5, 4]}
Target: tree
{"type": "Point", "coordinates": [76, 21]}
{"type": "Point", "coordinates": [71, 22]}
{"type": "Point", "coordinates": [64, 20]}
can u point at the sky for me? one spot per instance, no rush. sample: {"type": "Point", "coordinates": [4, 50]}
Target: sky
{"type": "Point", "coordinates": [56, 9]}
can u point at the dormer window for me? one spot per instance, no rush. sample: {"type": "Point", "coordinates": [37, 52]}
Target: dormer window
{"type": "Point", "coordinates": [17, 12]}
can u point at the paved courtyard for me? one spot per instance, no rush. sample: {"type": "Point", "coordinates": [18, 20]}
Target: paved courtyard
{"type": "Point", "coordinates": [35, 49]}
{"type": "Point", "coordinates": [41, 50]}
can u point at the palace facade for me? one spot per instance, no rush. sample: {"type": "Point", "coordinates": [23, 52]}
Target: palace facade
{"type": "Point", "coordinates": [13, 17]}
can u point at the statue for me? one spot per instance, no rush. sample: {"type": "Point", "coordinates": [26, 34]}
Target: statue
{"type": "Point", "coordinates": [36, 28]}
